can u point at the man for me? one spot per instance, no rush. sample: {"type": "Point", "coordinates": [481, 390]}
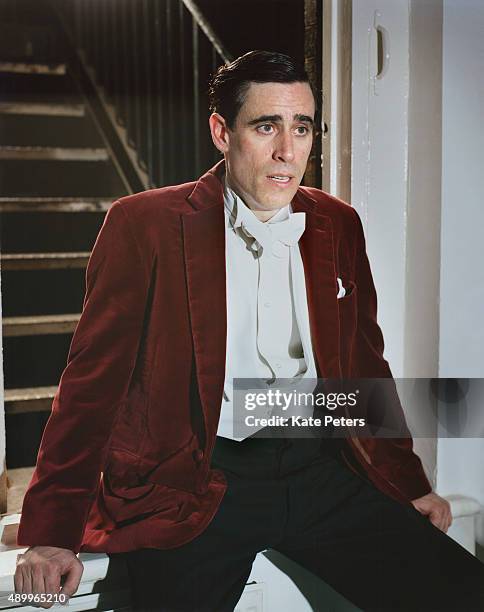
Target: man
{"type": "Point", "coordinates": [189, 287]}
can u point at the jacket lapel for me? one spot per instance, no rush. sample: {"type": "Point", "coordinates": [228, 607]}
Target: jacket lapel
{"type": "Point", "coordinates": [204, 252]}
{"type": "Point", "coordinates": [317, 252]}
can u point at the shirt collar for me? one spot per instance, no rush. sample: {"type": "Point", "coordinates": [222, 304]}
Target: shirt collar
{"type": "Point", "coordinates": [237, 210]}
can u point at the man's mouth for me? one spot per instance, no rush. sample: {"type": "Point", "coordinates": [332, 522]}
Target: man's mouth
{"type": "Point", "coordinates": [280, 178]}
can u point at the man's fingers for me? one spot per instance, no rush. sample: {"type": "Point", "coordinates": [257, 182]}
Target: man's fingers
{"type": "Point", "coordinates": [448, 521]}
{"type": "Point", "coordinates": [436, 508]}
{"type": "Point", "coordinates": [18, 580]}
{"type": "Point", "coordinates": [23, 580]}
{"type": "Point", "coordinates": [44, 577]}
{"type": "Point", "coordinates": [73, 578]}
{"type": "Point", "coordinates": [435, 522]}
{"type": "Point", "coordinates": [52, 583]}
{"type": "Point", "coordinates": [27, 580]}
{"type": "Point", "coordinates": [38, 584]}
{"type": "Point", "coordinates": [441, 519]}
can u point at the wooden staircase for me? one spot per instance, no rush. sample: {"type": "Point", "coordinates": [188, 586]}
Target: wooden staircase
{"type": "Point", "coordinates": [58, 177]}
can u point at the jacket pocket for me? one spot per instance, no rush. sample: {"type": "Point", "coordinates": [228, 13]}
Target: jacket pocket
{"type": "Point", "coordinates": [129, 496]}
{"type": "Point", "coordinates": [127, 505]}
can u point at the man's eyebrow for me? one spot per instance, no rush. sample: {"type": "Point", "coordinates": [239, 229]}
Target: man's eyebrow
{"type": "Point", "coordinates": [265, 118]}
{"type": "Point", "coordinates": [304, 118]}
{"type": "Point", "coordinates": [278, 119]}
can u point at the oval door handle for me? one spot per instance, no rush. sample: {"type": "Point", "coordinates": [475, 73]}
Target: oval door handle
{"type": "Point", "coordinates": [380, 52]}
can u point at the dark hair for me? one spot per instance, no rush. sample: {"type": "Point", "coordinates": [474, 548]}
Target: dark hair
{"type": "Point", "coordinates": [229, 84]}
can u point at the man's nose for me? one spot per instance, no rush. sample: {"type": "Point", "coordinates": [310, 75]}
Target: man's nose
{"type": "Point", "coordinates": [284, 147]}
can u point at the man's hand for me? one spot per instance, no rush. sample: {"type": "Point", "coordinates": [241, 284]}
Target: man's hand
{"type": "Point", "coordinates": [40, 569]}
{"type": "Point", "coordinates": [436, 508]}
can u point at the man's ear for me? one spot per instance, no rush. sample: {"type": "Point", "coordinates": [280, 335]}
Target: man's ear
{"type": "Point", "coordinates": [219, 132]}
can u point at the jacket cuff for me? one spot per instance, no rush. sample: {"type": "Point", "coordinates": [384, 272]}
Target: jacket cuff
{"type": "Point", "coordinates": [48, 523]}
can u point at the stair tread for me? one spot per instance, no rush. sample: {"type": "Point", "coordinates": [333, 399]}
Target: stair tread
{"type": "Point", "coordinates": [44, 261]}
{"type": "Point", "coordinates": [39, 325]}
{"type": "Point", "coordinates": [54, 204]}
{"type": "Point", "coordinates": [30, 393]}
{"type": "Point", "coordinates": [31, 319]}
{"type": "Point", "coordinates": [33, 68]}
{"type": "Point", "coordinates": [29, 399]}
{"type": "Point", "coordinates": [54, 153]}
{"type": "Point", "coordinates": [46, 256]}
{"type": "Point", "coordinates": [39, 108]}
{"type": "Point", "coordinates": [46, 199]}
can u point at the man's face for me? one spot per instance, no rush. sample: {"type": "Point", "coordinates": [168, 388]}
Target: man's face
{"type": "Point", "coordinates": [267, 150]}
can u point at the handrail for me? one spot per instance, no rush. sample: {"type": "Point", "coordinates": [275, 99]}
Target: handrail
{"type": "Point", "coordinates": [208, 30]}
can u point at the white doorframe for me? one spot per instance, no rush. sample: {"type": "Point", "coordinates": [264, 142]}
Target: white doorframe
{"type": "Point", "coordinates": [396, 170]}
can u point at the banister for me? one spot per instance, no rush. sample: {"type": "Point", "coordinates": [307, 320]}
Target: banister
{"type": "Point", "coordinates": [208, 30]}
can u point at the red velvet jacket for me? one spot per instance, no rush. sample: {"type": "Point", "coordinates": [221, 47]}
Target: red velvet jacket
{"type": "Point", "coordinates": [124, 460]}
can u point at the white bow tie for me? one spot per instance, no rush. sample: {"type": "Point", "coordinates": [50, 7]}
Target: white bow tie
{"type": "Point", "coordinates": [273, 237]}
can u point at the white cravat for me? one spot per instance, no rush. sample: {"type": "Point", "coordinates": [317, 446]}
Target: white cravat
{"type": "Point", "coordinates": [275, 235]}
{"type": "Point", "coordinates": [268, 335]}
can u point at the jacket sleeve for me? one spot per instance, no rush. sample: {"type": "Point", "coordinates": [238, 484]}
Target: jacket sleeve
{"type": "Point", "coordinates": [94, 383]}
{"type": "Point", "coordinates": [393, 458]}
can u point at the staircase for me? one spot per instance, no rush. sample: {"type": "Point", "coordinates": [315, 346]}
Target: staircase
{"type": "Point", "coordinates": [58, 176]}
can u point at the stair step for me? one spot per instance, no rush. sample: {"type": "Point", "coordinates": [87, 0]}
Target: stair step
{"type": "Point", "coordinates": [29, 68]}
{"type": "Point", "coordinates": [49, 130]}
{"type": "Point", "coordinates": [59, 179]}
{"type": "Point", "coordinates": [47, 232]}
{"type": "Point", "coordinates": [43, 261]}
{"type": "Point", "coordinates": [34, 399]}
{"type": "Point", "coordinates": [35, 360]}
{"type": "Point", "coordinates": [40, 325]}
{"type": "Point", "coordinates": [53, 153]}
{"type": "Point", "coordinates": [33, 42]}
{"type": "Point", "coordinates": [38, 108]}
{"type": "Point", "coordinates": [43, 88]}
{"type": "Point", "coordinates": [54, 204]}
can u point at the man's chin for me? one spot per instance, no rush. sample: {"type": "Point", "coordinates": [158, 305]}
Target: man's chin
{"type": "Point", "coordinates": [277, 203]}
{"type": "Point", "coordinates": [269, 206]}
{"type": "Point", "coordinates": [274, 201]}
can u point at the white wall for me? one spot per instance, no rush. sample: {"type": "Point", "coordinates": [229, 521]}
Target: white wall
{"type": "Point", "coordinates": [418, 180]}
{"type": "Point", "coordinates": [461, 462]}
{"type": "Point", "coordinates": [379, 160]}
{"type": "Point", "coordinates": [462, 278]}
{"type": "Point", "coordinates": [396, 170]}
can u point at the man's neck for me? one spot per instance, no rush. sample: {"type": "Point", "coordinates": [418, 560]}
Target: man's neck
{"type": "Point", "coordinates": [257, 209]}
{"type": "Point", "coordinates": [264, 215]}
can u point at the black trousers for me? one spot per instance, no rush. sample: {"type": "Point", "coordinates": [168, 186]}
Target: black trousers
{"type": "Point", "coordinates": [288, 496]}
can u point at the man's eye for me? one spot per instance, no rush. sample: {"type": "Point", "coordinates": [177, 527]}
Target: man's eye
{"type": "Point", "coordinates": [302, 130]}
{"type": "Point", "coordinates": [266, 128]}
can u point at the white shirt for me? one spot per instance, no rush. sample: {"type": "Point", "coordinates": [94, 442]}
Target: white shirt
{"type": "Point", "coordinates": [268, 334]}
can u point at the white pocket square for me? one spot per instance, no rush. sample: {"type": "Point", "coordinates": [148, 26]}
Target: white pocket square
{"type": "Point", "coordinates": [341, 289]}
